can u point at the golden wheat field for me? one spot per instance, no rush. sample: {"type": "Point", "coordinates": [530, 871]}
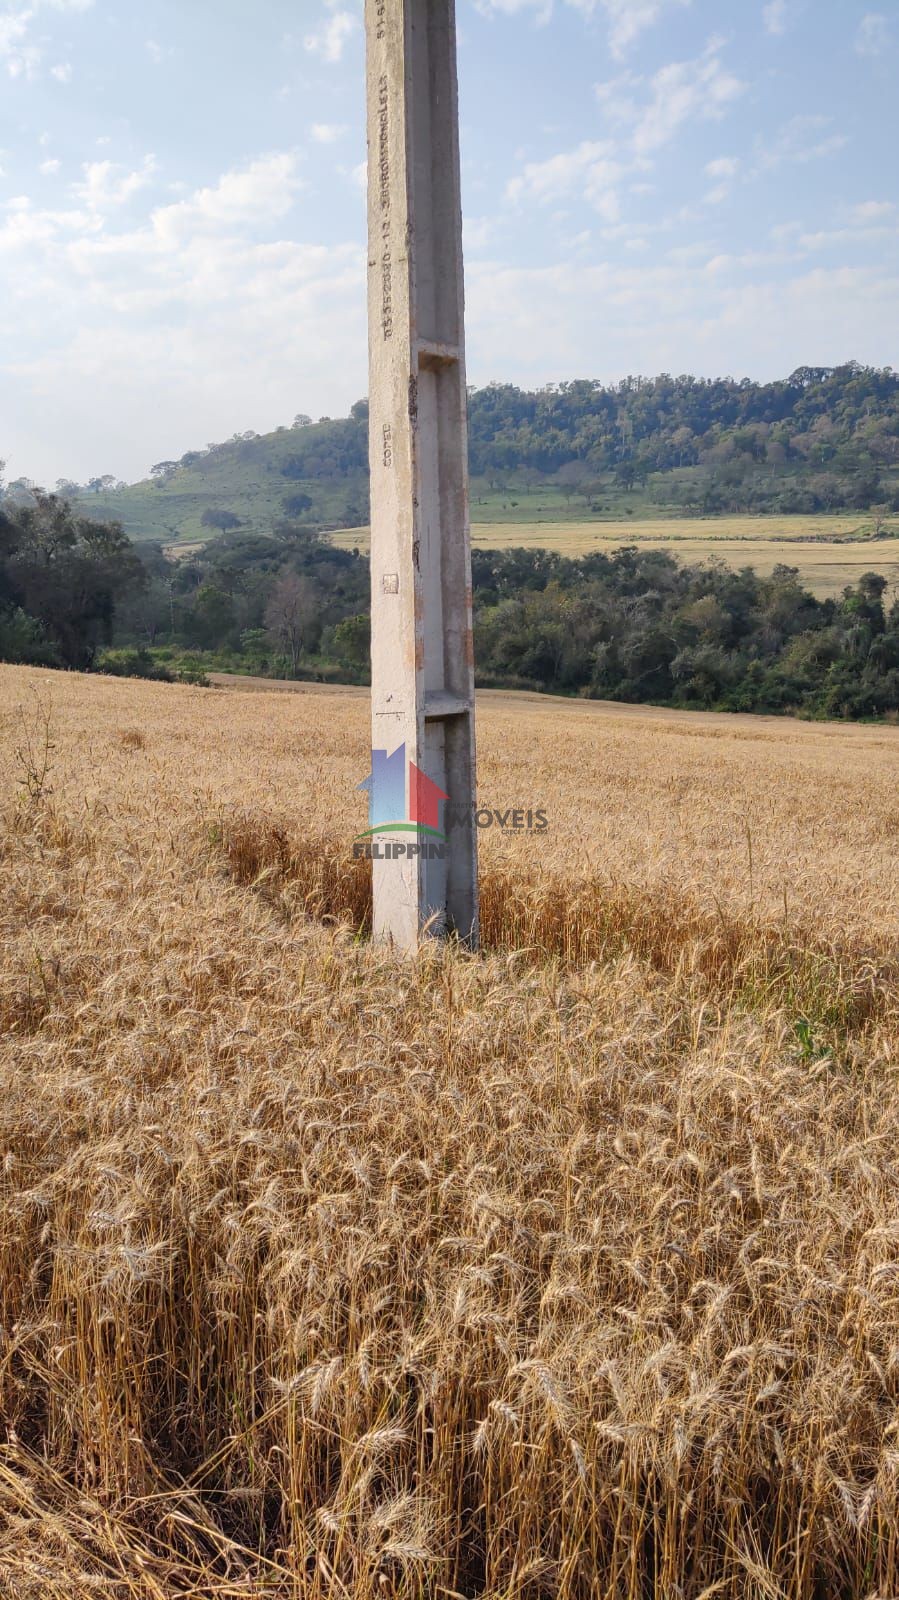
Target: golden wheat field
{"type": "Point", "coordinates": [829, 551]}
{"type": "Point", "coordinates": [567, 1270]}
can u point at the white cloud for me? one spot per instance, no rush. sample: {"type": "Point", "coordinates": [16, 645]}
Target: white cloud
{"type": "Point", "coordinates": [20, 58]}
{"type": "Point", "coordinates": [477, 233]}
{"type": "Point", "coordinates": [749, 261]}
{"type": "Point", "coordinates": [775, 16]}
{"type": "Point", "coordinates": [626, 19]}
{"type": "Point", "coordinates": [873, 36]}
{"type": "Point", "coordinates": [860, 234]}
{"type": "Point", "coordinates": [650, 112]}
{"type": "Point", "coordinates": [20, 52]}
{"type": "Point", "coordinates": [590, 169]}
{"type": "Point", "coordinates": [263, 191]}
{"type": "Point", "coordinates": [629, 18]}
{"type": "Point", "coordinates": [221, 323]}
{"type": "Point", "coordinates": [27, 227]}
{"type": "Point", "coordinates": [535, 324]}
{"type": "Point", "coordinates": [802, 139]}
{"type": "Point", "coordinates": [513, 8]}
{"type": "Point", "coordinates": [328, 132]}
{"type": "Point", "coordinates": [647, 115]}
{"type": "Point", "coordinates": [872, 221]}
{"type": "Point", "coordinates": [106, 185]}
{"type": "Point", "coordinates": [237, 331]}
{"type": "Point", "coordinates": [617, 98]}
{"type": "Point", "coordinates": [231, 321]}
{"type": "Point", "coordinates": [873, 211]}
{"type": "Point", "coordinates": [782, 231]}
{"type": "Point", "coordinates": [157, 52]}
{"type": "Point", "coordinates": [722, 172]}
{"type": "Point", "coordinates": [329, 39]}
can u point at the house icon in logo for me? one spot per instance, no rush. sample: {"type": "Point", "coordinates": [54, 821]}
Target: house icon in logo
{"type": "Point", "coordinates": [389, 809]}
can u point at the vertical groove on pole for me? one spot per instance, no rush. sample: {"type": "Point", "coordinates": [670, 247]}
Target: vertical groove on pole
{"type": "Point", "coordinates": [422, 655]}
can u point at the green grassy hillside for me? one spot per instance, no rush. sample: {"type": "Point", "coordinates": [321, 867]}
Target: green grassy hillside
{"type": "Point", "coordinates": [252, 478]}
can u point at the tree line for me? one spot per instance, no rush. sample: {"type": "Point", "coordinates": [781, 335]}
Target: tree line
{"type": "Point", "coordinates": [824, 439]}
{"type": "Point", "coordinates": [634, 625]}
{"type": "Point", "coordinates": [64, 581]}
{"type": "Point", "coordinates": [638, 625]}
{"type": "Point", "coordinates": [76, 593]}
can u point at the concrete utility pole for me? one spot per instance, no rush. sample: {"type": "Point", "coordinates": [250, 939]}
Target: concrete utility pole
{"type": "Point", "coordinates": [422, 654]}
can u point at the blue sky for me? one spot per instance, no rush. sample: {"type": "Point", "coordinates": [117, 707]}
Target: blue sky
{"type": "Point", "coordinates": [701, 186]}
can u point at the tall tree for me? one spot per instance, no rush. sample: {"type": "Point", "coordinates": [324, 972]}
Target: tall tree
{"type": "Point", "coordinates": [290, 614]}
{"type": "Point", "coordinates": [67, 571]}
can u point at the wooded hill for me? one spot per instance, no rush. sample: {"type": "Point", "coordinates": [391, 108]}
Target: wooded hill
{"type": "Point", "coordinates": [823, 440]}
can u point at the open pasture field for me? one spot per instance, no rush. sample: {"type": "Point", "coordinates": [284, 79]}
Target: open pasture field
{"type": "Point", "coordinates": [566, 1270]}
{"type": "Point", "coordinates": [809, 543]}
